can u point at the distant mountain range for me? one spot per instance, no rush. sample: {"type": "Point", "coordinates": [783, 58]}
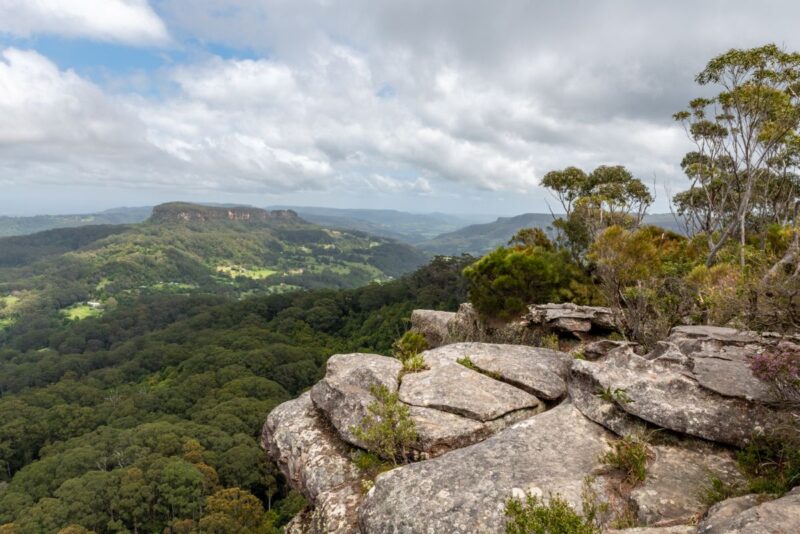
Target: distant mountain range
{"type": "Point", "coordinates": [28, 225]}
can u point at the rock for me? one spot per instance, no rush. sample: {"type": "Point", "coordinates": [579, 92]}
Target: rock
{"type": "Point", "coordinates": [307, 452]}
{"type": "Point", "coordinates": [317, 464]}
{"type": "Point", "coordinates": [344, 394]}
{"type": "Point", "coordinates": [540, 372]}
{"type": "Point", "coordinates": [571, 318]}
{"type": "Point", "coordinates": [781, 516]}
{"type": "Point", "coordinates": [439, 432]}
{"type": "Point", "coordinates": [675, 480]}
{"type": "Point", "coordinates": [453, 388]}
{"type": "Point", "coordinates": [598, 349]}
{"type": "Point", "coordinates": [465, 490]}
{"type": "Point", "coordinates": [679, 529]}
{"type": "Point", "coordinates": [662, 392]}
{"type": "Point", "coordinates": [432, 324]}
{"type": "Point", "coordinates": [735, 506]}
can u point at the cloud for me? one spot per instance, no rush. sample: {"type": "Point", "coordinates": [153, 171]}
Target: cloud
{"type": "Point", "coordinates": [124, 21]}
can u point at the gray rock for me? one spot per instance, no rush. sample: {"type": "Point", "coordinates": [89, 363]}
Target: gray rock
{"type": "Point", "coordinates": [453, 388]}
{"type": "Point", "coordinates": [734, 506]}
{"type": "Point", "coordinates": [540, 372]}
{"type": "Point", "coordinates": [781, 516]}
{"type": "Point", "coordinates": [676, 479]}
{"type": "Point", "coordinates": [679, 529]}
{"type": "Point", "coordinates": [306, 450]}
{"type": "Point", "coordinates": [344, 394]}
{"type": "Point", "coordinates": [664, 395]}
{"type": "Point", "coordinates": [432, 324]}
{"type": "Point", "coordinates": [600, 348]}
{"type": "Point", "coordinates": [465, 490]}
{"type": "Point", "coordinates": [571, 318]}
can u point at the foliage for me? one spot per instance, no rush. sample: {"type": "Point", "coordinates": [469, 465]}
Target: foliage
{"type": "Point", "coordinates": [504, 282]}
{"type": "Point", "coordinates": [556, 516]}
{"type": "Point", "coordinates": [771, 463]}
{"type": "Point", "coordinates": [717, 490]}
{"type": "Point", "coordinates": [781, 369]}
{"type": "Point", "coordinates": [467, 362]}
{"type": "Point", "coordinates": [629, 454]}
{"type": "Point", "coordinates": [235, 510]}
{"type": "Point", "coordinates": [407, 349]}
{"type": "Point", "coordinates": [617, 395]}
{"type": "Point", "coordinates": [388, 429]}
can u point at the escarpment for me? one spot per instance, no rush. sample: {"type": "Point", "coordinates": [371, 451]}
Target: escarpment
{"type": "Point", "coordinates": [495, 421]}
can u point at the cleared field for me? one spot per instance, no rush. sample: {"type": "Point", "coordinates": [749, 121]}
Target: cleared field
{"type": "Point", "coordinates": [237, 270]}
{"type": "Point", "coordinates": [81, 311]}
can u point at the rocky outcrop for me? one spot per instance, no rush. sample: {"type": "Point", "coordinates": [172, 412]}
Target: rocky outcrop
{"type": "Point", "coordinates": [186, 212]}
{"type": "Point", "coordinates": [434, 325]}
{"type": "Point", "coordinates": [745, 516]}
{"type": "Point", "coordinates": [571, 318]}
{"type": "Point", "coordinates": [344, 394]}
{"type": "Point", "coordinates": [697, 382]}
{"type": "Point", "coordinates": [464, 491]}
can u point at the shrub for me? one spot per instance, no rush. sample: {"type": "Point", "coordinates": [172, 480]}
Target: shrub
{"type": "Point", "coordinates": [617, 395]}
{"type": "Point", "coordinates": [388, 429]}
{"type": "Point", "coordinates": [717, 490]}
{"type": "Point", "coordinates": [534, 516]}
{"type": "Point", "coordinates": [504, 282]}
{"type": "Point", "coordinates": [781, 369]}
{"type": "Point", "coordinates": [630, 455]}
{"type": "Point", "coordinates": [771, 463]}
{"type": "Point", "coordinates": [407, 349]}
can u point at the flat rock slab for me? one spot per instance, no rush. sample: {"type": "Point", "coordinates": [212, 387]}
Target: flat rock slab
{"type": "Point", "coordinates": [540, 372]}
{"type": "Point", "coordinates": [675, 481]}
{"type": "Point", "coordinates": [465, 490]}
{"type": "Point", "coordinates": [453, 388]}
{"type": "Point", "coordinates": [781, 516]}
{"type": "Point", "coordinates": [344, 394]}
{"type": "Point", "coordinates": [680, 529]}
{"type": "Point", "coordinates": [666, 397]}
{"type": "Point", "coordinates": [307, 451]}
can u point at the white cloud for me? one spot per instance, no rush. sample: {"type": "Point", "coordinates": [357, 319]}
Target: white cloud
{"type": "Point", "coordinates": [125, 21]}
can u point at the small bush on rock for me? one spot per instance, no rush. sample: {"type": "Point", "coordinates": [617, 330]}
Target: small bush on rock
{"type": "Point", "coordinates": [388, 430]}
{"type": "Point", "coordinates": [630, 455]}
{"type": "Point", "coordinates": [556, 516]}
{"type": "Point", "coordinates": [771, 463]}
{"type": "Point", "coordinates": [781, 370]}
{"type": "Point", "coordinates": [407, 349]}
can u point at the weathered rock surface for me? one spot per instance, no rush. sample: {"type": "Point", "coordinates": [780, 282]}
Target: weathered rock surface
{"type": "Point", "coordinates": [781, 516]}
{"type": "Point", "coordinates": [453, 388]}
{"type": "Point", "coordinates": [597, 349]}
{"type": "Point", "coordinates": [571, 317]}
{"type": "Point", "coordinates": [679, 529]}
{"type": "Point", "coordinates": [432, 324]}
{"type": "Point", "coordinates": [464, 491]}
{"type": "Point", "coordinates": [315, 462]}
{"type": "Point", "coordinates": [540, 372]}
{"type": "Point", "coordinates": [675, 481]}
{"type": "Point", "coordinates": [344, 394]}
{"type": "Point", "coordinates": [306, 449]}
{"type": "Point", "coordinates": [662, 390]}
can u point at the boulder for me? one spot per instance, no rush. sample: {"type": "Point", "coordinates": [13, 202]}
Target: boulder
{"type": "Point", "coordinates": [308, 453]}
{"type": "Point", "coordinates": [679, 529]}
{"type": "Point", "coordinates": [453, 388]}
{"type": "Point", "coordinates": [675, 480]}
{"type": "Point", "coordinates": [571, 318]}
{"type": "Point", "coordinates": [315, 463]}
{"type": "Point", "coordinates": [432, 324]}
{"type": "Point", "coordinates": [540, 372]}
{"type": "Point", "coordinates": [465, 490]}
{"type": "Point", "coordinates": [344, 394]}
{"type": "Point", "coordinates": [663, 391]}
{"type": "Point", "coordinates": [781, 516]}
{"type": "Point", "coordinates": [600, 348]}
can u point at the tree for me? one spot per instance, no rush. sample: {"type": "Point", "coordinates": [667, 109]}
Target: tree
{"type": "Point", "coordinates": [744, 164]}
{"type": "Point", "coordinates": [234, 510]}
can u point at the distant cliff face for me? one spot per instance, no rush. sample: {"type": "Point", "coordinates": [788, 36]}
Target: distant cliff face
{"type": "Point", "coordinates": [185, 212]}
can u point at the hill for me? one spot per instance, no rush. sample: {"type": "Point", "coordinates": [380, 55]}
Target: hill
{"type": "Point", "coordinates": [478, 239]}
{"type": "Point", "coordinates": [11, 226]}
{"type": "Point", "coordinates": [411, 228]}
{"type": "Point", "coordinates": [187, 248]}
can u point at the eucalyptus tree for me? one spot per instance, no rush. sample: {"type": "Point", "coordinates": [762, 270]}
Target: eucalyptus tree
{"type": "Point", "coordinates": [743, 168]}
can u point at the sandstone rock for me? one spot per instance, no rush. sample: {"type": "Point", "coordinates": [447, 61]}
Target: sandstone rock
{"type": "Point", "coordinates": [432, 324]}
{"type": "Point", "coordinates": [675, 480]}
{"type": "Point", "coordinates": [306, 450]}
{"type": "Point", "coordinates": [734, 506]}
{"type": "Point", "coordinates": [571, 318]}
{"type": "Point", "coordinates": [598, 349]}
{"type": "Point", "coordinates": [540, 372]}
{"type": "Point", "coordinates": [680, 529]}
{"type": "Point", "coordinates": [781, 516]}
{"type": "Point", "coordinates": [344, 394]}
{"type": "Point", "coordinates": [464, 491]}
{"type": "Point", "coordinates": [453, 388]}
{"type": "Point", "coordinates": [662, 393]}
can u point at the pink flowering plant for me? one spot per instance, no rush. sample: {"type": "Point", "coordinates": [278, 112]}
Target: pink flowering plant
{"type": "Point", "coordinates": [781, 369]}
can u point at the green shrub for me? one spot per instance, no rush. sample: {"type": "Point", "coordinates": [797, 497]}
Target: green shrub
{"type": "Point", "coordinates": [717, 490]}
{"type": "Point", "coordinates": [771, 464]}
{"type": "Point", "coordinates": [504, 282]}
{"type": "Point", "coordinates": [630, 455]}
{"type": "Point", "coordinates": [407, 349]}
{"type": "Point", "coordinates": [467, 362]}
{"type": "Point", "coordinates": [535, 516]}
{"type": "Point", "coordinates": [618, 395]}
{"type": "Point", "coordinates": [388, 429]}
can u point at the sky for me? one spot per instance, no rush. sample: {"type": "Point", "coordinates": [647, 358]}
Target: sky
{"type": "Point", "coordinates": [456, 106]}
